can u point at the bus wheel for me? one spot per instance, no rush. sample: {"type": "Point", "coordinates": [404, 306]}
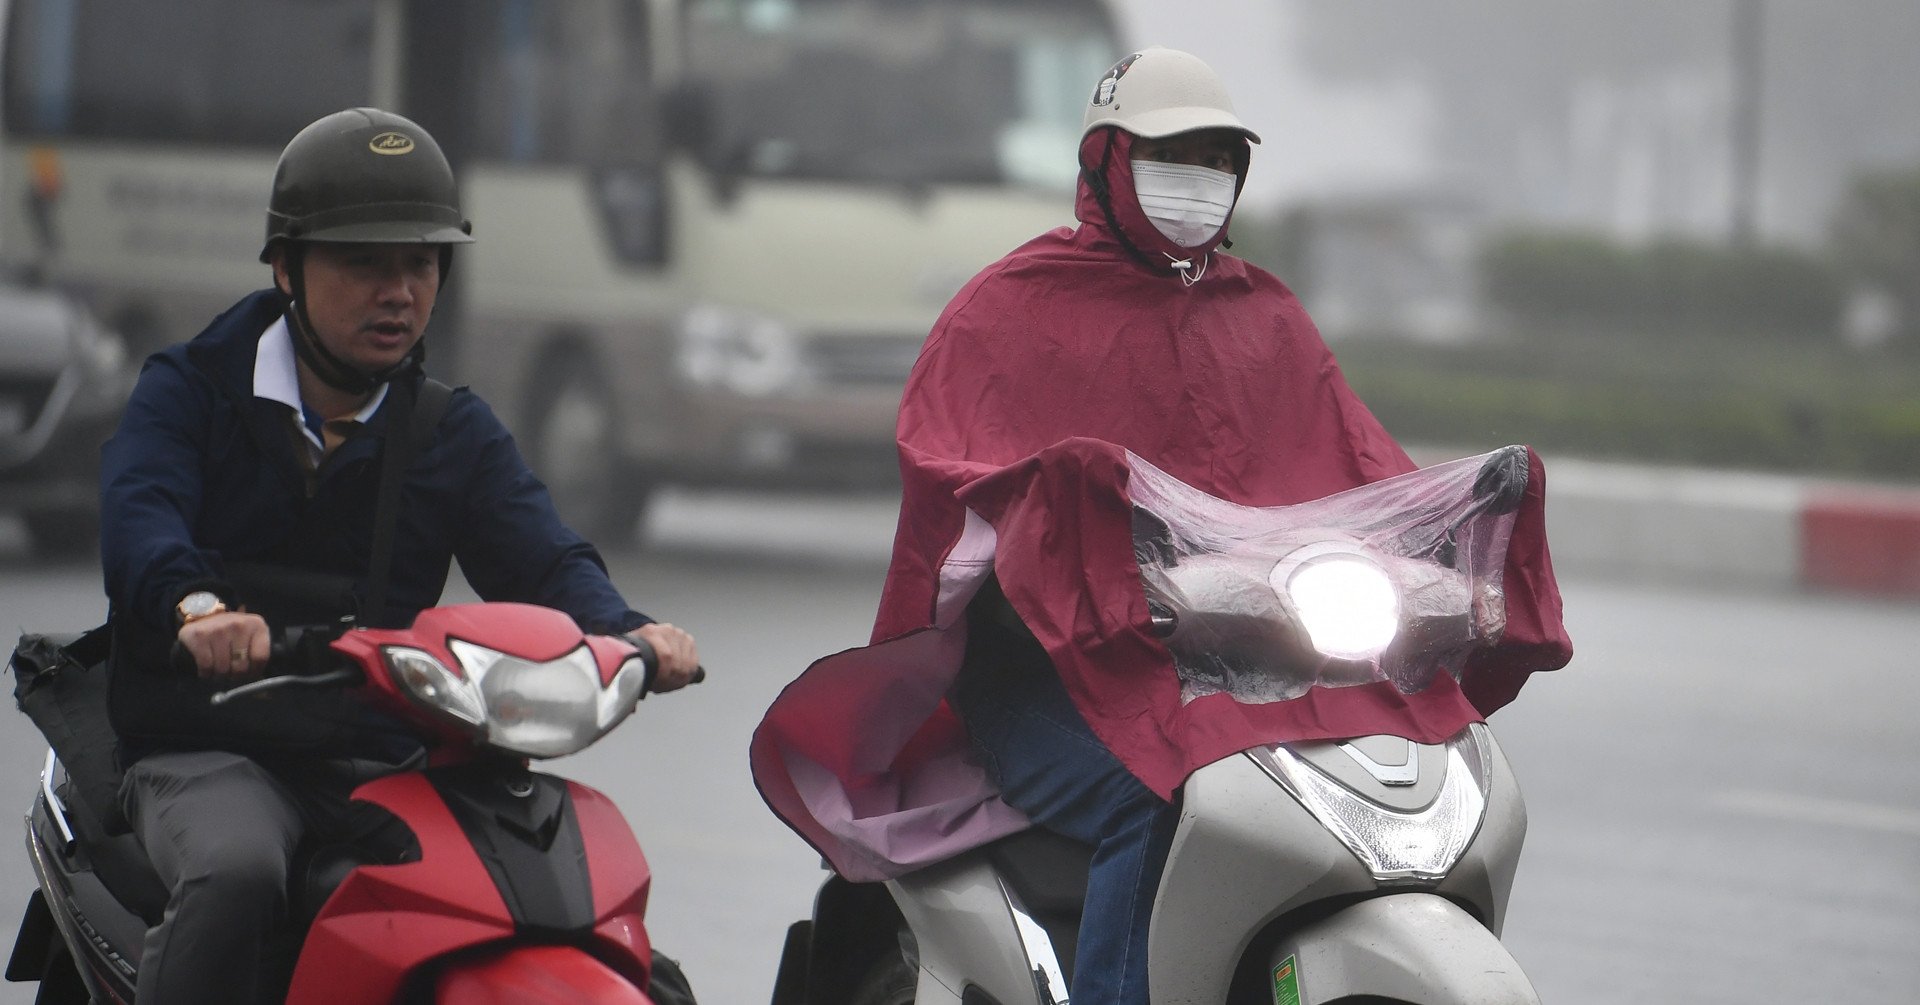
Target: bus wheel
{"type": "Point", "coordinates": [577, 453]}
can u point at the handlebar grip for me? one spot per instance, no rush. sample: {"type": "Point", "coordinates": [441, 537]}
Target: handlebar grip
{"type": "Point", "coordinates": [650, 658]}
{"type": "Point", "coordinates": [296, 650]}
{"type": "Point", "coordinates": [181, 661]}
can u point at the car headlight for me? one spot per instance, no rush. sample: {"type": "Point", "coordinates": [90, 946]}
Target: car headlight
{"type": "Point", "coordinates": [1421, 845]}
{"type": "Point", "coordinates": [1344, 600]}
{"type": "Point", "coordinates": [743, 352]}
{"type": "Point", "coordinates": [545, 708]}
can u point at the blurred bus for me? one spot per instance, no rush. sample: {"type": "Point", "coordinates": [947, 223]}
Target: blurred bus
{"type": "Point", "coordinates": [712, 234]}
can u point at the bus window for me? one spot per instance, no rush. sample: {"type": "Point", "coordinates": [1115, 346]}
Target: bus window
{"type": "Point", "coordinates": [911, 92]}
{"type": "Point", "coordinates": [203, 71]}
{"type": "Point", "coordinates": [558, 83]}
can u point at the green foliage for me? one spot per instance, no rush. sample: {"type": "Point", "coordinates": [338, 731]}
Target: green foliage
{"type": "Point", "coordinates": [1876, 238]}
{"type": "Point", "coordinates": [1549, 282]}
{"type": "Point", "coordinates": [1718, 402]}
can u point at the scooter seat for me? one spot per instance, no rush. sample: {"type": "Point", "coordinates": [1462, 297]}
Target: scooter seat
{"type": "Point", "coordinates": [119, 862]}
{"type": "Point", "coordinates": [1048, 871]}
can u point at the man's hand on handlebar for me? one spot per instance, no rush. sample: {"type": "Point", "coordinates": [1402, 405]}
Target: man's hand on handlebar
{"type": "Point", "coordinates": [234, 644]}
{"type": "Point", "coordinates": [678, 659]}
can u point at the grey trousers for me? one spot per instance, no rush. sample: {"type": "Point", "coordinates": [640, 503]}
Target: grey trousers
{"type": "Point", "coordinates": [222, 830]}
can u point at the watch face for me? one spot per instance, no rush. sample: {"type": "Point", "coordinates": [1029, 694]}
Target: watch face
{"type": "Point", "coordinates": [198, 604]}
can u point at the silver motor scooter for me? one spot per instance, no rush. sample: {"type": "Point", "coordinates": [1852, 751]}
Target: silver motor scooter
{"type": "Point", "coordinates": [1369, 870]}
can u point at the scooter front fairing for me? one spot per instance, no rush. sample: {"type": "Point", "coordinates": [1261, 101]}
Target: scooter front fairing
{"type": "Point", "coordinates": [506, 856]}
{"type": "Point", "coordinates": [1271, 840]}
{"type": "Point", "coordinates": [1396, 584]}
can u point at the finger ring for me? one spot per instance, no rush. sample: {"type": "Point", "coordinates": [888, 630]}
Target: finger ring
{"type": "Point", "coordinates": [238, 655]}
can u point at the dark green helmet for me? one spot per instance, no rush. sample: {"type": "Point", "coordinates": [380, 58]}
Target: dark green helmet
{"type": "Point", "coordinates": [364, 176]}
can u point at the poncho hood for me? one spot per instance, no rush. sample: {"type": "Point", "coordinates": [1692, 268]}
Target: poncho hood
{"type": "Point", "coordinates": [1107, 204]}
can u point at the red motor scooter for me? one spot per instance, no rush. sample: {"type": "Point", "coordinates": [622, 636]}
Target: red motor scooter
{"type": "Point", "coordinates": [508, 885]}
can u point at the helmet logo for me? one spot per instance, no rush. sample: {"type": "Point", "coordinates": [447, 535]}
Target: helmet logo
{"type": "Point", "coordinates": [391, 143]}
{"type": "Point", "coordinates": [1103, 92]}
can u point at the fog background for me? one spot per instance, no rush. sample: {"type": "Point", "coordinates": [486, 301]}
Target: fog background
{"type": "Point", "coordinates": [1614, 114]}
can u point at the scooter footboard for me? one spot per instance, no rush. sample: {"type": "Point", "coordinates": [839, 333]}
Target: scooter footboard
{"type": "Point", "coordinates": [536, 975]}
{"type": "Point", "coordinates": [1414, 947]}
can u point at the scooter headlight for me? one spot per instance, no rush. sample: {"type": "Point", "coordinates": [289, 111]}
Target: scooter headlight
{"type": "Point", "coordinates": [429, 680]}
{"type": "Point", "coordinates": [1344, 600]}
{"type": "Point", "coordinates": [545, 708]}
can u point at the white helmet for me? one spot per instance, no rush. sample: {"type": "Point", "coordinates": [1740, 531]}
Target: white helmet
{"type": "Point", "coordinates": [1160, 92]}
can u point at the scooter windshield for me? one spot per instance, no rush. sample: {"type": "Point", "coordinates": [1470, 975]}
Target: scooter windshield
{"type": "Point", "coordinates": [1396, 581]}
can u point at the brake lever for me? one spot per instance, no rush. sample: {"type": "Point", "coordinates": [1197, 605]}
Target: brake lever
{"type": "Point", "coordinates": [1446, 548]}
{"type": "Point", "coordinates": [299, 642]}
{"type": "Point", "coordinates": [344, 675]}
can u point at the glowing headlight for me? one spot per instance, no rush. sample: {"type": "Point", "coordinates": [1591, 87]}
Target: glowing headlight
{"type": "Point", "coordinates": [540, 709]}
{"type": "Point", "coordinates": [1345, 602]}
{"type": "Point", "coordinates": [742, 352]}
{"type": "Point", "coordinates": [1394, 845]}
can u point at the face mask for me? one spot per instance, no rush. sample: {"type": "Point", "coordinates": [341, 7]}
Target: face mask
{"type": "Point", "coordinates": [1187, 203]}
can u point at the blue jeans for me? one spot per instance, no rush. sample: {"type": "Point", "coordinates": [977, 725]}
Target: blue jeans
{"type": "Point", "coordinates": [1039, 750]}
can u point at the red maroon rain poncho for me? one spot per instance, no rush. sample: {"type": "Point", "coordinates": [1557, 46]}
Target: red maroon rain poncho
{"type": "Point", "coordinates": [1040, 377]}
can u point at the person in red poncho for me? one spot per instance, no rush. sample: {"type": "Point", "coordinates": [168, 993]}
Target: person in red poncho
{"type": "Point", "coordinates": [1013, 679]}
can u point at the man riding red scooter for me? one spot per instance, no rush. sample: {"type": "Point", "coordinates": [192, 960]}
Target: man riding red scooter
{"type": "Point", "coordinates": [292, 465]}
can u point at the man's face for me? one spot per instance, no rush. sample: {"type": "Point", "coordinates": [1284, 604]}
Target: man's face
{"type": "Point", "coordinates": [368, 303]}
{"type": "Point", "coordinates": [1207, 148]}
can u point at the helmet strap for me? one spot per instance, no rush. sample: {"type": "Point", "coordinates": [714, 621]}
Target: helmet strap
{"type": "Point", "coordinates": [331, 369]}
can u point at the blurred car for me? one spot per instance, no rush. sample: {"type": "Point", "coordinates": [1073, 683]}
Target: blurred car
{"type": "Point", "coordinates": [63, 381]}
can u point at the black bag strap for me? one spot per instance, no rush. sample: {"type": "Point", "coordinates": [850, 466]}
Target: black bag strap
{"type": "Point", "coordinates": [92, 648]}
{"type": "Point", "coordinates": [414, 421]}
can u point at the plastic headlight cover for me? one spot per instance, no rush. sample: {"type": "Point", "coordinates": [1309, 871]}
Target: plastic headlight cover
{"type": "Point", "coordinates": [429, 681]}
{"type": "Point", "coordinates": [1422, 845]}
{"type": "Point", "coordinates": [544, 709]}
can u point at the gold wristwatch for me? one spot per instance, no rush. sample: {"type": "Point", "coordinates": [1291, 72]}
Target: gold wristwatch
{"type": "Point", "coordinates": [199, 604]}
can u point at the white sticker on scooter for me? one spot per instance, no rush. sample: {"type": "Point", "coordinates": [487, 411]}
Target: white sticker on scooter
{"type": "Point", "coordinates": [1286, 983]}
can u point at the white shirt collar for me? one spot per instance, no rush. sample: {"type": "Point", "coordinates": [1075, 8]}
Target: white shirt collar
{"type": "Point", "coordinates": [277, 378]}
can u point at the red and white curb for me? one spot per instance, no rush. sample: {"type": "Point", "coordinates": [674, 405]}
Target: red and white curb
{"type": "Point", "coordinates": [1861, 538]}
{"type": "Point", "coordinates": [1733, 527]}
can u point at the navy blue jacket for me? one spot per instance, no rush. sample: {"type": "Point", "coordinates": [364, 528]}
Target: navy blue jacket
{"type": "Point", "coordinates": [200, 472]}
